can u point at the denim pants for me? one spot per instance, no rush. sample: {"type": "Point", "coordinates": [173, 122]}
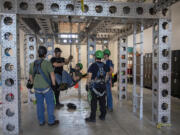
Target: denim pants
{"type": "Point", "coordinates": [64, 78]}
{"type": "Point", "coordinates": [109, 95]}
{"type": "Point", "coordinates": [49, 97]}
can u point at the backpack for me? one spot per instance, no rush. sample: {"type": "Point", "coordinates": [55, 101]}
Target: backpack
{"type": "Point", "coordinates": [101, 74]}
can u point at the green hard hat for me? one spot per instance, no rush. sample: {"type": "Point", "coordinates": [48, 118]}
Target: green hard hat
{"type": "Point", "coordinates": [79, 65]}
{"type": "Point", "coordinates": [107, 51]}
{"type": "Point", "coordinates": [99, 54]}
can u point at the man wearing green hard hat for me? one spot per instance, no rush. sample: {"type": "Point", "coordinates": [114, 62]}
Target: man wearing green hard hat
{"type": "Point", "coordinates": [79, 66]}
{"type": "Point", "coordinates": [96, 83]}
{"type": "Point", "coordinates": [110, 65]}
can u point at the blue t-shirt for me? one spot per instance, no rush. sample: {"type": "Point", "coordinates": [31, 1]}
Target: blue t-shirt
{"type": "Point", "coordinates": [109, 64]}
{"type": "Point", "coordinates": [94, 70]}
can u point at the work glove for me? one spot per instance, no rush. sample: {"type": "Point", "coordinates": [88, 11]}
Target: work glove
{"type": "Point", "coordinates": [63, 86]}
{"type": "Point", "coordinates": [70, 57]}
{"type": "Point", "coordinates": [29, 85]}
{"type": "Point", "coordinates": [54, 87]}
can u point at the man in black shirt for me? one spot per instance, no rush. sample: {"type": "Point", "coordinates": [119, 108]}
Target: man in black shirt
{"type": "Point", "coordinates": [96, 83]}
{"type": "Point", "coordinates": [58, 62]}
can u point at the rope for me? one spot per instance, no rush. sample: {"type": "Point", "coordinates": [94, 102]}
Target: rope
{"type": "Point", "coordinates": [70, 21]}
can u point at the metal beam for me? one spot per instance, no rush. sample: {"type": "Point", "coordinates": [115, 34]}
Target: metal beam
{"type": "Point", "coordinates": [125, 31]}
{"type": "Point", "coordinates": [45, 25]}
{"type": "Point", "coordinates": [25, 27]}
{"type": "Point", "coordinates": [161, 77]}
{"type": "Point", "coordinates": [10, 74]}
{"type": "Point", "coordinates": [94, 9]}
{"type": "Point", "coordinates": [163, 5]}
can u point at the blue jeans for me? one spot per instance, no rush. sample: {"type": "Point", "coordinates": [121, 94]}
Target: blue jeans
{"type": "Point", "coordinates": [64, 78]}
{"type": "Point", "coordinates": [109, 95]}
{"type": "Point", "coordinates": [49, 97]}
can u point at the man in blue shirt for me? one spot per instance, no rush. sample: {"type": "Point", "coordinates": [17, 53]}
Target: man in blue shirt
{"type": "Point", "coordinates": [97, 77]}
{"type": "Point", "coordinates": [110, 65]}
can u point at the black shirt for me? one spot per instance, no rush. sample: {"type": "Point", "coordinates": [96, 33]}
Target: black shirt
{"type": "Point", "coordinates": [58, 60]}
{"type": "Point", "coordinates": [94, 70]}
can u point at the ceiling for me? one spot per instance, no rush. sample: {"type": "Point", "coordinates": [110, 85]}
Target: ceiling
{"type": "Point", "coordinates": [104, 28]}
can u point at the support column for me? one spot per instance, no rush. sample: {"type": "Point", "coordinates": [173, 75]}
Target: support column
{"type": "Point", "coordinates": [10, 74]}
{"type": "Point", "coordinates": [134, 70]}
{"type": "Point", "coordinates": [79, 61]}
{"type": "Point", "coordinates": [30, 57]}
{"type": "Point", "coordinates": [105, 44]}
{"type": "Point", "coordinates": [91, 49]}
{"type": "Point", "coordinates": [122, 68]}
{"type": "Point", "coordinates": [161, 78]}
{"type": "Point", "coordinates": [138, 71]}
{"type": "Point", "coordinates": [1, 94]}
{"type": "Point", "coordinates": [49, 44]}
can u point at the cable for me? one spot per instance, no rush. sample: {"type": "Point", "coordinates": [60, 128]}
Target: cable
{"type": "Point", "coordinates": [70, 22]}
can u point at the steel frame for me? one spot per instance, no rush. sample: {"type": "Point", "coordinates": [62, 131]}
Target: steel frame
{"type": "Point", "coordinates": [79, 61]}
{"type": "Point", "coordinates": [91, 49]}
{"type": "Point", "coordinates": [161, 78]}
{"type": "Point", "coordinates": [30, 56]}
{"type": "Point", "coordinates": [122, 67]}
{"type": "Point", "coordinates": [138, 97]}
{"type": "Point", "coordinates": [163, 4]}
{"type": "Point", "coordinates": [49, 44]}
{"type": "Point", "coordinates": [102, 10]}
{"type": "Point", "coordinates": [10, 74]}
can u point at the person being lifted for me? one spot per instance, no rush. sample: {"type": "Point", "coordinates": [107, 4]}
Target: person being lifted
{"type": "Point", "coordinates": [96, 83]}
{"type": "Point", "coordinates": [58, 62]}
{"type": "Point", "coordinates": [42, 78]}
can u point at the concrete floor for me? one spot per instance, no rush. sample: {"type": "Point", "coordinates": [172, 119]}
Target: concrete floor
{"type": "Point", "coordinates": [121, 122]}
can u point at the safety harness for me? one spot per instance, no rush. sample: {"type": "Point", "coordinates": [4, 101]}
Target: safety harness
{"type": "Point", "coordinates": [99, 80]}
{"type": "Point", "coordinates": [37, 70]}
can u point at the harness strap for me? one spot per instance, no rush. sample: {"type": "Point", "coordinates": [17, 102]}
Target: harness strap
{"type": "Point", "coordinates": [41, 72]}
{"type": "Point", "coordinates": [98, 93]}
{"type": "Point", "coordinates": [42, 92]}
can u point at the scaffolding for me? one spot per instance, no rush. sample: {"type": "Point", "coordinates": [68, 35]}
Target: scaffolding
{"type": "Point", "coordinates": [138, 95]}
{"type": "Point", "coordinates": [35, 17]}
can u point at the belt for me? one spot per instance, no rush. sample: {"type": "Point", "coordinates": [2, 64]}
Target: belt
{"type": "Point", "coordinates": [98, 93]}
{"type": "Point", "coordinates": [42, 92]}
{"type": "Point", "coordinates": [96, 81]}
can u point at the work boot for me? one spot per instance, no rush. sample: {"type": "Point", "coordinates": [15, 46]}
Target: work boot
{"type": "Point", "coordinates": [59, 105]}
{"type": "Point", "coordinates": [90, 119]}
{"type": "Point", "coordinates": [56, 122]}
{"type": "Point", "coordinates": [101, 117]}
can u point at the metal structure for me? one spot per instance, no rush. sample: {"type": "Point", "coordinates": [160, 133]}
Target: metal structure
{"type": "Point", "coordinates": [10, 74]}
{"type": "Point", "coordinates": [163, 4]}
{"type": "Point", "coordinates": [49, 43]}
{"type": "Point", "coordinates": [138, 95]}
{"type": "Point", "coordinates": [79, 61]}
{"type": "Point", "coordinates": [30, 46]}
{"type": "Point", "coordinates": [99, 19]}
{"type": "Point", "coordinates": [161, 77]}
{"type": "Point", "coordinates": [122, 67]}
{"type": "Point", "coordinates": [91, 49]}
